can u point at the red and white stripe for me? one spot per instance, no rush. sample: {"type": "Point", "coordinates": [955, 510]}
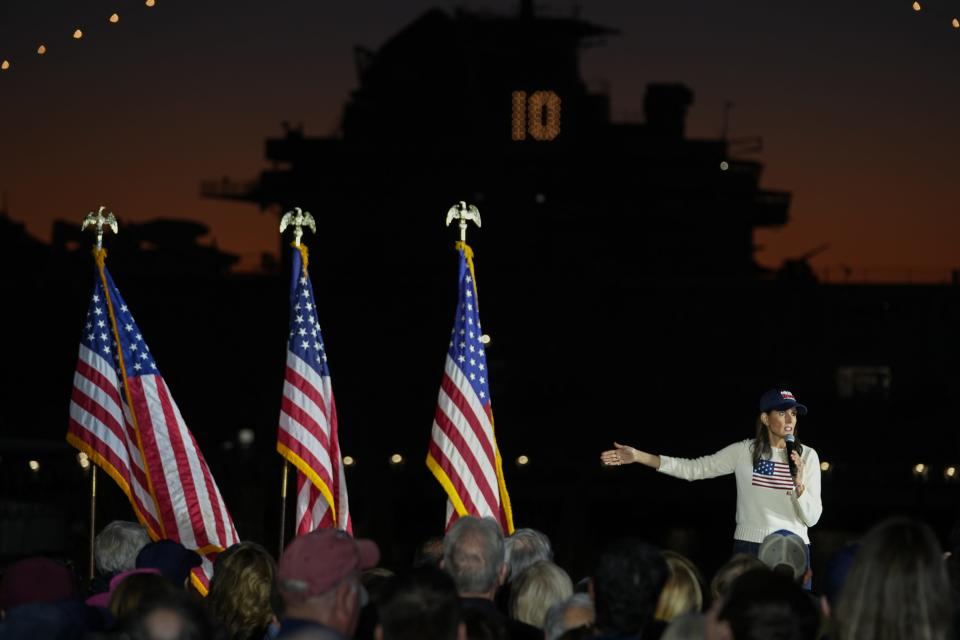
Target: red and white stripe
{"type": "Point", "coordinates": [779, 479]}
{"type": "Point", "coordinates": [462, 444]}
{"type": "Point", "coordinates": [308, 438]}
{"type": "Point", "coordinates": [194, 512]}
{"type": "Point", "coordinates": [100, 426]}
{"type": "Point", "coordinates": [170, 484]}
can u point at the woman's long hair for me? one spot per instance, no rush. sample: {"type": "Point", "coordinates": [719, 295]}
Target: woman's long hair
{"type": "Point", "coordinates": [761, 442]}
{"type": "Point", "coordinates": [897, 588]}
{"type": "Point", "coordinates": [243, 596]}
{"type": "Point", "coordinates": [683, 592]}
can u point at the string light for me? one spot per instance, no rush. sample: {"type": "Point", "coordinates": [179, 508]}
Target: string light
{"type": "Point", "coordinates": [523, 461]}
{"type": "Point", "coordinates": [349, 461]}
{"type": "Point", "coordinates": [955, 23]}
{"type": "Point", "coordinates": [916, 6]}
{"type": "Point", "coordinates": [396, 459]}
{"type": "Point", "coordinates": [824, 466]}
{"type": "Point", "coordinates": [77, 34]}
{"type": "Point", "coordinates": [34, 466]}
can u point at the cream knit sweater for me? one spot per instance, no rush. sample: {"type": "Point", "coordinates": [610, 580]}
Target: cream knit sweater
{"type": "Point", "coordinates": [760, 510]}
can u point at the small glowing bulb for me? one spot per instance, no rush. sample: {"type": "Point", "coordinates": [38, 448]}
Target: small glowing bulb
{"type": "Point", "coordinates": [485, 339]}
{"type": "Point", "coordinates": [951, 472]}
{"type": "Point", "coordinates": [724, 165]}
{"type": "Point", "coordinates": [396, 458]}
{"type": "Point", "coordinates": [42, 49]}
{"type": "Point", "coordinates": [34, 465]}
{"type": "Point", "coordinates": [77, 34]}
{"type": "Point", "coordinates": [919, 468]}
{"type": "Point", "coordinates": [523, 460]}
{"type": "Point", "coordinates": [4, 65]}
{"type": "Point", "coordinates": [824, 466]}
{"type": "Point", "coordinates": [348, 461]}
{"type": "Point", "coordinates": [114, 18]}
{"type": "Point", "coordinates": [916, 6]}
{"type": "Point", "coordinates": [150, 3]}
{"type": "Point", "coordinates": [956, 23]}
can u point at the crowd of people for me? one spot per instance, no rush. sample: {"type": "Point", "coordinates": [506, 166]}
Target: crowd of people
{"type": "Point", "coordinates": [475, 583]}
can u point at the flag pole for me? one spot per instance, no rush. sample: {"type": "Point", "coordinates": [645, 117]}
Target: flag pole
{"type": "Point", "coordinates": [283, 505]}
{"type": "Point", "coordinates": [298, 219]}
{"type": "Point", "coordinates": [93, 517]}
{"type": "Point", "coordinates": [98, 220]}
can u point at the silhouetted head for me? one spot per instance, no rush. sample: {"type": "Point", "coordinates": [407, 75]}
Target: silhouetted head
{"type": "Point", "coordinates": [627, 582]}
{"type": "Point", "coordinates": [897, 586]}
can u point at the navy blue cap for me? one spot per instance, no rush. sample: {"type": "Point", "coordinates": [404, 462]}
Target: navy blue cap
{"type": "Point", "coordinates": [172, 559]}
{"type": "Point", "coordinates": [780, 399]}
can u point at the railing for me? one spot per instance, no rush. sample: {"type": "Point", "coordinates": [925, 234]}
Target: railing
{"type": "Point", "coordinates": [840, 274]}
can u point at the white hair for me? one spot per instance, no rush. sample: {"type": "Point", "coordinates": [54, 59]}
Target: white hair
{"type": "Point", "coordinates": [116, 547]}
{"type": "Point", "coordinates": [473, 553]}
{"type": "Point", "coordinates": [555, 622]}
{"type": "Point", "coordinates": [525, 547]}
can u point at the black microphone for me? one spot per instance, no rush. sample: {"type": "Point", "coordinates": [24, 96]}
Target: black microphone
{"type": "Point", "coordinates": [791, 447]}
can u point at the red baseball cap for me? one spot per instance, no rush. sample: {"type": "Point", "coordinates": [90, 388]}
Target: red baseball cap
{"type": "Point", "coordinates": [313, 563]}
{"type": "Point", "coordinates": [35, 580]}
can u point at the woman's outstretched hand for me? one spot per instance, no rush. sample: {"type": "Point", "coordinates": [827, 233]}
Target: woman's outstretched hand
{"type": "Point", "coordinates": [622, 454]}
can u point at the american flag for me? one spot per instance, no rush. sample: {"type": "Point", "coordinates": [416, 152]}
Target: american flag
{"type": "Point", "coordinates": [463, 452]}
{"type": "Point", "coordinates": [123, 417]}
{"type": "Point", "coordinates": [774, 475]}
{"type": "Point", "coordinates": [308, 417]}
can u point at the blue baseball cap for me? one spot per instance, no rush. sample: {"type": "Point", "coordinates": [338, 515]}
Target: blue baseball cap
{"type": "Point", "coordinates": [780, 399]}
{"type": "Point", "coordinates": [170, 558]}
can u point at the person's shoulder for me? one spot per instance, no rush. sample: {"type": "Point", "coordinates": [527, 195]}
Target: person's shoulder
{"type": "Point", "coordinates": [809, 451]}
{"type": "Point", "coordinates": [518, 630]}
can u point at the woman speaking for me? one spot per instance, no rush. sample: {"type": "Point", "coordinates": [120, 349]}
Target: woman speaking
{"type": "Point", "coordinates": [778, 479]}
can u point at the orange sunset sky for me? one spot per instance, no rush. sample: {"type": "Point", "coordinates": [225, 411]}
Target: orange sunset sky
{"type": "Point", "coordinates": [858, 105]}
